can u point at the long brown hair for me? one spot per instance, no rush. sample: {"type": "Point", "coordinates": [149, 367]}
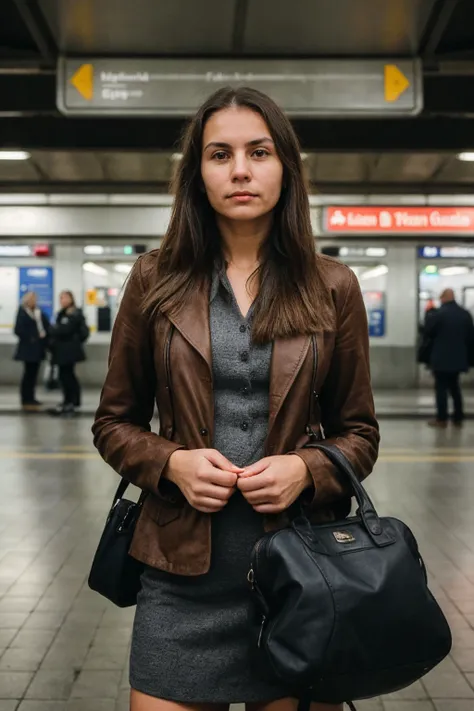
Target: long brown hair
{"type": "Point", "coordinates": [292, 298]}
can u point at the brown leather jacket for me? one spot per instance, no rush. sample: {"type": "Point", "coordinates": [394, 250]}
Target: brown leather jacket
{"type": "Point", "coordinates": [146, 366]}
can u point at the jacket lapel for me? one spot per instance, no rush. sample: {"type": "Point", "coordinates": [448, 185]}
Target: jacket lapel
{"type": "Point", "coordinates": [193, 323]}
{"type": "Point", "coordinates": [287, 358]}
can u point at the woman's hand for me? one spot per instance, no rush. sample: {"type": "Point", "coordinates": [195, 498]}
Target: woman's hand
{"type": "Point", "coordinates": [272, 484]}
{"type": "Point", "coordinates": [206, 478]}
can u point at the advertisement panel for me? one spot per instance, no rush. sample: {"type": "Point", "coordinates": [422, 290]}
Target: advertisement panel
{"type": "Point", "coordinates": [40, 280]}
{"type": "Point", "coordinates": [399, 220]}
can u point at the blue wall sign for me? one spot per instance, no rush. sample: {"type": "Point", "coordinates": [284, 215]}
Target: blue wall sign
{"type": "Point", "coordinates": [40, 280]}
{"type": "Point", "coordinates": [376, 318]}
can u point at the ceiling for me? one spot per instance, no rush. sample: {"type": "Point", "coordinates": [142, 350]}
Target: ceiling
{"type": "Point", "coordinates": [258, 27]}
{"type": "Point", "coordinates": [351, 155]}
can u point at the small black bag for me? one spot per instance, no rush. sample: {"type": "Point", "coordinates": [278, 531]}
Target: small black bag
{"type": "Point", "coordinates": [342, 610]}
{"type": "Point", "coordinates": [114, 573]}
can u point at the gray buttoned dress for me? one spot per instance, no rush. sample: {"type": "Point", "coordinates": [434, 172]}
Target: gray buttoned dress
{"type": "Point", "coordinates": [190, 639]}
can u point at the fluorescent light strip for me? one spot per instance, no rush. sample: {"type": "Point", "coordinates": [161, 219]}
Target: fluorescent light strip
{"type": "Point", "coordinates": [375, 272]}
{"type": "Point", "coordinates": [14, 155]}
{"type": "Point", "coordinates": [94, 268]}
{"type": "Point", "coordinates": [453, 271]}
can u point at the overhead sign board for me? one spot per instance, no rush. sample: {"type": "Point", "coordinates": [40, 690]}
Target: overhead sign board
{"type": "Point", "coordinates": [399, 220]}
{"type": "Point", "coordinates": [177, 87]}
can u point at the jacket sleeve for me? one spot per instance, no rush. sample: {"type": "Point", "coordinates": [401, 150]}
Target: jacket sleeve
{"type": "Point", "coordinates": [122, 432]}
{"type": "Point", "coordinates": [19, 329]}
{"type": "Point", "coordinates": [68, 329]}
{"type": "Point", "coordinates": [347, 405]}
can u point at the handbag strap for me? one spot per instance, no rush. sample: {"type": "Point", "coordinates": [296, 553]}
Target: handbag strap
{"type": "Point", "coordinates": [367, 510]}
{"type": "Point", "coordinates": [121, 489]}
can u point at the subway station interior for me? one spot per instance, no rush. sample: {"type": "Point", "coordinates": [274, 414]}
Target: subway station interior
{"type": "Point", "coordinates": [94, 97]}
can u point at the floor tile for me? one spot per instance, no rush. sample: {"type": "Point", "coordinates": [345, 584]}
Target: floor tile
{"type": "Point", "coordinates": [464, 659]}
{"type": "Point", "coordinates": [408, 706]}
{"type": "Point", "coordinates": [13, 684]}
{"type": "Point", "coordinates": [9, 704]}
{"type": "Point", "coordinates": [35, 705]}
{"type": "Point", "coordinates": [44, 620]}
{"type": "Point", "coordinates": [454, 705]}
{"type": "Point", "coordinates": [97, 684]}
{"type": "Point", "coordinates": [106, 657]}
{"type": "Point", "coordinates": [447, 686]}
{"type": "Point", "coordinates": [39, 639]}
{"type": "Point", "coordinates": [18, 604]}
{"type": "Point", "coordinates": [51, 684]}
{"type": "Point", "coordinates": [91, 705]}
{"type": "Point", "coordinates": [21, 659]}
{"type": "Point", "coordinates": [415, 692]}
{"type": "Point", "coordinates": [12, 620]}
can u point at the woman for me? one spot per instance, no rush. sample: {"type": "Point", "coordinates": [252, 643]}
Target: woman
{"type": "Point", "coordinates": [68, 335]}
{"type": "Point", "coordinates": [217, 326]}
{"type": "Point", "coordinates": [32, 328]}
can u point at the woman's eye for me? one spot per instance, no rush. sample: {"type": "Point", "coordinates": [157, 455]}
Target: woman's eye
{"type": "Point", "coordinates": [219, 155]}
{"type": "Point", "coordinates": [260, 153]}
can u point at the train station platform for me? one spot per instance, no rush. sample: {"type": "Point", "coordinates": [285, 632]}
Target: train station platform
{"type": "Point", "coordinates": [64, 648]}
{"type": "Point", "coordinates": [394, 404]}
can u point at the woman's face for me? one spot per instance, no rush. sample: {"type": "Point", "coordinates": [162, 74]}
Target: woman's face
{"type": "Point", "coordinates": [31, 301]}
{"type": "Point", "coordinates": [240, 168]}
{"type": "Point", "coordinates": [65, 300]}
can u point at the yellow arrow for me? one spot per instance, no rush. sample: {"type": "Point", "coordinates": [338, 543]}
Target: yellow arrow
{"type": "Point", "coordinates": [83, 81]}
{"type": "Point", "coordinates": [395, 82]}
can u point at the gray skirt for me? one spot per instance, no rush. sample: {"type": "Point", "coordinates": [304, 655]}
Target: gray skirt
{"type": "Point", "coordinates": [190, 639]}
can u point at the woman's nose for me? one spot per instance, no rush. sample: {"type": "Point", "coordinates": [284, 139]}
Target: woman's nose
{"type": "Point", "coordinates": [240, 169]}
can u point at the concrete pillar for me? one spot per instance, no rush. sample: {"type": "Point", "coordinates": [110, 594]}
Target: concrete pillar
{"type": "Point", "coordinates": [68, 259]}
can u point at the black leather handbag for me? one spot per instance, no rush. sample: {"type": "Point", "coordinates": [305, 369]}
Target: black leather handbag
{"type": "Point", "coordinates": [342, 610]}
{"type": "Point", "coordinates": [114, 573]}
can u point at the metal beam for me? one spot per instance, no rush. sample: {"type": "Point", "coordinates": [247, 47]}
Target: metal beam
{"type": "Point", "coordinates": [38, 28]}
{"type": "Point", "coordinates": [240, 21]}
{"type": "Point", "coordinates": [437, 25]}
{"type": "Point", "coordinates": [419, 134]}
{"type": "Point", "coordinates": [162, 188]}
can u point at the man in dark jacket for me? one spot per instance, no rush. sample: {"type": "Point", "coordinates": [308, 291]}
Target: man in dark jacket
{"type": "Point", "coordinates": [451, 332]}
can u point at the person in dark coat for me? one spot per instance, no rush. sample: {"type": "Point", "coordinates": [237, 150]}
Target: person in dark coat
{"type": "Point", "coordinates": [68, 335]}
{"type": "Point", "coordinates": [451, 332]}
{"type": "Point", "coordinates": [32, 328]}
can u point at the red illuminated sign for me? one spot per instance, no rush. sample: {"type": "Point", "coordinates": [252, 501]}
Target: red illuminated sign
{"type": "Point", "coordinates": [393, 220]}
{"type": "Point", "coordinates": [41, 250]}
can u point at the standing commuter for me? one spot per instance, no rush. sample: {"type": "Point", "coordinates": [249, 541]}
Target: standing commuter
{"type": "Point", "coordinates": [450, 332]}
{"type": "Point", "coordinates": [249, 342]}
{"type": "Point", "coordinates": [68, 334]}
{"type": "Point", "coordinates": [32, 328]}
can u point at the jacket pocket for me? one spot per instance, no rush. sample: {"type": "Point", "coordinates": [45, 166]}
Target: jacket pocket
{"type": "Point", "coordinates": [162, 512]}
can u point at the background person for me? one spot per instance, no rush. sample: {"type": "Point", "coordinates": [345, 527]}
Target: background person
{"type": "Point", "coordinates": [246, 338]}
{"type": "Point", "coordinates": [450, 331]}
{"type": "Point", "coordinates": [68, 335]}
{"type": "Point", "coordinates": [32, 328]}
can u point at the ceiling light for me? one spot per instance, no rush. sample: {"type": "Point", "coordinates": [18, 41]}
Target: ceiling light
{"type": "Point", "coordinates": [14, 155]}
{"type": "Point", "coordinates": [431, 269]}
{"type": "Point", "coordinates": [94, 249]}
{"type": "Point", "coordinates": [453, 271]}
{"type": "Point", "coordinates": [375, 252]}
{"type": "Point", "coordinates": [467, 156]}
{"type": "Point", "coordinates": [123, 268]}
{"type": "Point", "coordinates": [375, 272]}
{"type": "Point", "coordinates": [94, 268]}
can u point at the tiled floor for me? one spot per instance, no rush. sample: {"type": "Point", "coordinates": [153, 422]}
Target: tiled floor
{"type": "Point", "coordinates": [389, 403]}
{"type": "Point", "coordinates": [63, 648]}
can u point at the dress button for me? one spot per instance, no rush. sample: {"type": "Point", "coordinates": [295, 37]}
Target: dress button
{"type": "Point", "coordinates": [244, 356]}
{"type": "Point", "coordinates": [243, 329]}
{"type": "Point", "coordinates": [244, 426]}
{"type": "Point", "coordinates": [203, 432]}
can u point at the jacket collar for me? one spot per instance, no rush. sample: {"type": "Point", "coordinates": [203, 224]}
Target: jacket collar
{"type": "Point", "coordinates": [287, 357]}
